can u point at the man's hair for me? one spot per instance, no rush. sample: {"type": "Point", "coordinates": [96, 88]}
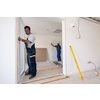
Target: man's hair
{"type": "Point", "coordinates": [27, 27]}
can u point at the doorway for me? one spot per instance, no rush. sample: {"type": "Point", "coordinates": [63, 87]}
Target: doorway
{"type": "Point", "coordinates": [48, 67]}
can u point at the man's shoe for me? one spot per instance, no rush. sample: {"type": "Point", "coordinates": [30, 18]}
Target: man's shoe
{"type": "Point", "coordinates": [31, 77]}
{"type": "Point", "coordinates": [27, 73]}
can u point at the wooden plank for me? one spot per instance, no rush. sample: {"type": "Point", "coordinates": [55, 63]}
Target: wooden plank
{"type": "Point", "coordinates": [52, 80]}
{"type": "Point", "coordinates": [42, 78]}
{"type": "Point", "coordinates": [97, 75]}
{"type": "Point", "coordinates": [48, 69]}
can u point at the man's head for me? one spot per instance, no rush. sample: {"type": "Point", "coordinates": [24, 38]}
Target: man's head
{"type": "Point", "coordinates": [58, 43]}
{"type": "Point", "coordinates": [27, 30]}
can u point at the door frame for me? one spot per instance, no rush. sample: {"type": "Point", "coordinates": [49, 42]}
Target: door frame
{"type": "Point", "coordinates": [64, 46]}
{"type": "Point", "coordinates": [63, 20]}
{"type": "Point", "coordinates": [18, 75]}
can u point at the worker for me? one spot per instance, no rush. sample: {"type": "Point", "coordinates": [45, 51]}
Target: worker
{"type": "Point", "coordinates": [58, 47]}
{"type": "Point", "coordinates": [31, 52]}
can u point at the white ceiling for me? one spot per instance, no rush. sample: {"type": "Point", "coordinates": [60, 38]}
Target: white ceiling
{"type": "Point", "coordinates": [40, 24]}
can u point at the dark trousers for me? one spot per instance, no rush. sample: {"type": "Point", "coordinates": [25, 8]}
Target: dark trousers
{"type": "Point", "coordinates": [59, 55]}
{"type": "Point", "coordinates": [31, 61]}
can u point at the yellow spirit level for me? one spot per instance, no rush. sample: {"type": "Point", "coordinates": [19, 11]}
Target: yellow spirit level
{"type": "Point", "coordinates": [76, 63]}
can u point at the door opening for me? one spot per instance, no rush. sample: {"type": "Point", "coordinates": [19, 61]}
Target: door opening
{"type": "Point", "coordinates": [43, 41]}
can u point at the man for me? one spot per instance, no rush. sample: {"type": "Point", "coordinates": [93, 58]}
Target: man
{"type": "Point", "coordinates": [58, 47]}
{"type": "Point", "coordinates": [30, 49]}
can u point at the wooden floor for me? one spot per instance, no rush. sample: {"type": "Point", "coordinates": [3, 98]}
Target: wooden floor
{"type": "Point", "coordinates": [49, 73]}
{"type": "Point", "coordinates": [44, 69]}
{"type": "Point", "coordinates": [89, 77]}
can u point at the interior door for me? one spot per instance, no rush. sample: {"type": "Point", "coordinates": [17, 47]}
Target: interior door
{"type": "Point", "coordinates": [20, 47]}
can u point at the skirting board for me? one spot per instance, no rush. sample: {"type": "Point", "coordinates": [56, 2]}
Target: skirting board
{"type": "Point", "coordinates": [52, 80]}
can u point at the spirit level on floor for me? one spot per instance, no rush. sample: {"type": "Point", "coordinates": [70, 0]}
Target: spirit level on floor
{"type": "Point", "coordinates": [76, 63]}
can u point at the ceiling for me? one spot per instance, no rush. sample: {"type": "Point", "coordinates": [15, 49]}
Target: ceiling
{"type": "Point", "coordinates": [44, 25]}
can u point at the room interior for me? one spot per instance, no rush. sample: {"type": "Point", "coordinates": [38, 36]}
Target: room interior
{"type": "Point", "coordinates": [81, 33]}
{"type": "Point", "coordinates": [76, 25]}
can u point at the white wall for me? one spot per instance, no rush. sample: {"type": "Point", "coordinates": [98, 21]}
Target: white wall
{"type": "Point", "coordinates": [43, 41]}
{"type": "Point", "coordinates": [7, 50]}
{"type": "Point", "coordinates": [64, 47]}
{"type": "Point", "coordinates": [87, 48]}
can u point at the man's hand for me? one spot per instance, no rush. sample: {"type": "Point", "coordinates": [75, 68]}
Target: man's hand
{"type": "Point", "coordinates": [19, 39]}
{"type": "Point", "coordinates": [25, 41]}
{"type": "Point", "coordinates": [52, 45]}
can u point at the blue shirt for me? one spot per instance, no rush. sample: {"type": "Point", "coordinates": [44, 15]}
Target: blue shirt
{"type": "Point", "coordinates": [58, 47]}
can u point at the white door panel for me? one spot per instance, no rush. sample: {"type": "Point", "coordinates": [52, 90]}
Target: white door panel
{"type": "Point", "coordinates": [20, 47]}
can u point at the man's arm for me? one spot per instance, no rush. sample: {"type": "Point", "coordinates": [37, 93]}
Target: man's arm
{"type": "Point", "coordinates": [25, 41]}
{"type": "Point", "coordinates": [52, 45]}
